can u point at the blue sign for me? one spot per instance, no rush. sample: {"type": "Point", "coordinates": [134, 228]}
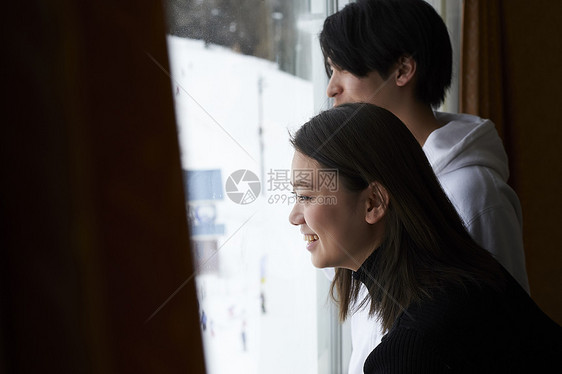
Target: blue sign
{"type": "Point", "coordinates": [208, 229]}
{"type": "Point", "coordinates": [203, 184]}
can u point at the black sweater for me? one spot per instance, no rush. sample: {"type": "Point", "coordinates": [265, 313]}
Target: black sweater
{"type": "Point", "coordinates": [470, 330]}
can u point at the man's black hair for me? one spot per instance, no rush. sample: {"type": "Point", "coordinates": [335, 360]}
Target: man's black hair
{"type": "Point", "coordinates": [374, 34]}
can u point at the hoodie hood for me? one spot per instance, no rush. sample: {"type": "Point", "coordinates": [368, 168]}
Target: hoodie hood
{"type": "Point", "coordinates": [465, 140]}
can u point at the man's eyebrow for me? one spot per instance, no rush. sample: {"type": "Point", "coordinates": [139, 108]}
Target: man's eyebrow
{"type": "Point", "coordinates": [331, 63]}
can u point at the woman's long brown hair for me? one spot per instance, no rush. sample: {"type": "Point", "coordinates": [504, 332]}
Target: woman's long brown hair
{"type": "Point", "coordinates": [426, 246]}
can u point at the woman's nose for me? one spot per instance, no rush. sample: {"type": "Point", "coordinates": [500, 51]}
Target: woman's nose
{"type": "Point", "coordinates": [296, 217]}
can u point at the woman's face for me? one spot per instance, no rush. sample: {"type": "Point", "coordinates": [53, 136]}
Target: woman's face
{"type": "Point", "coordinates": [331, 218]}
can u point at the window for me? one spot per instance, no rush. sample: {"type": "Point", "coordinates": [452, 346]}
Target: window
{"type": "Point", "coordinates": [451, 11]}
{"type": "Point", "coordinates": [244, 74]}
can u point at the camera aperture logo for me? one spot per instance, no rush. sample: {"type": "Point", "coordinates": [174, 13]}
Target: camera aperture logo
{"type": "Point", "coordinates": [243, 187]}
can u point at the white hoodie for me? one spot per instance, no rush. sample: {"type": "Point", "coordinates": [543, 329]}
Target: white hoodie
{"type": "Point", "coordinates": [468, 157]}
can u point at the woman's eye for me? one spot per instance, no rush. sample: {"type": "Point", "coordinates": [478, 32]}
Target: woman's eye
{"type": "Point", "coordinates": [301, 198]}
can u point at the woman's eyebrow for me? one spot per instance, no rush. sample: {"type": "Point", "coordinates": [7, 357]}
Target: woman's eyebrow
{"type": "Point", "coordinates": [301, 183]}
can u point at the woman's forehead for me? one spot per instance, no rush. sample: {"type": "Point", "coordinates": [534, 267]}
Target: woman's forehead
{"type": "Point", "coordinates": [301, 160]}
{"type": "Point", "coordinates": [304, 169]}
{"type": "Point", "coordinates": [309, 173]}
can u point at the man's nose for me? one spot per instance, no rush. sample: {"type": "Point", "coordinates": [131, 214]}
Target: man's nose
{"type": "Point", "coordinates": [334, 88]}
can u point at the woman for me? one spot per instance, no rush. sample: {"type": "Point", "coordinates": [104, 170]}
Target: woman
{"type": "Point", "coordinates": [445, 303]}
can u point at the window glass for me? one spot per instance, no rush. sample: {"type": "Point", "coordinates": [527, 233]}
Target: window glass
{"type": "Point", "coordinates": [451, 12]}
{"type": "Point", "coordinates": [244, 74]}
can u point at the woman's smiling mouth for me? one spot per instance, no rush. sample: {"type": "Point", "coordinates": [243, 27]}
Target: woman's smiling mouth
{"type": "Point", "coordinates": [310, 238]}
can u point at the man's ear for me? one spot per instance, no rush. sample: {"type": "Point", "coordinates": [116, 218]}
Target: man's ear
{"type": "Point", "coordinates": [377, 202]}
{"type": "Point", "coordinates": [405, 71]}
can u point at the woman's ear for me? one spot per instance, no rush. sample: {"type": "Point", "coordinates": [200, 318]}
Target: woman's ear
{"type": "Point", "coordinates": [377, 203]}
{"type": "Point", "coordinates": [405, 71]}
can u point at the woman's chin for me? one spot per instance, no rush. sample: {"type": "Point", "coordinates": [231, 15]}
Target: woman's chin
{"type": "Point", "coordinates": [321, 263]}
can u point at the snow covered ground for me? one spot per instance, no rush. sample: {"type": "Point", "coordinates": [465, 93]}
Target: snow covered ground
{"type": "Point", "coordinates": [219, 108]}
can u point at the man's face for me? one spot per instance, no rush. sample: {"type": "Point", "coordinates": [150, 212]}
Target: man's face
{"type": "Point", "coordinates": [344, 87]}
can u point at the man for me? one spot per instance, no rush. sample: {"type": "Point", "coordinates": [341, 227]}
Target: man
{"type": "Point", "coordinates": [397, 54]}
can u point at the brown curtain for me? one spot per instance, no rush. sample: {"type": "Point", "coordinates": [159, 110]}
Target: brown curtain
{"type": "Point", "coordinates": [94, 235]}
{"type": "Point", "coordinates": [509, 74]}
{"type": "Point", "coordinates": [481, 81]}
